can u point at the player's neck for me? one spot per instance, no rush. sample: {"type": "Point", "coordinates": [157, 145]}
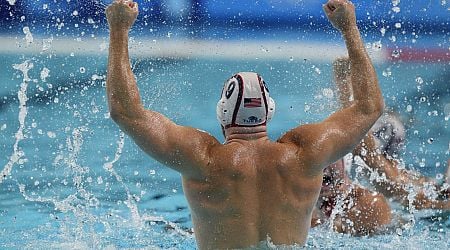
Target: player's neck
{"type": "Point", "coordinates": [245, 133]}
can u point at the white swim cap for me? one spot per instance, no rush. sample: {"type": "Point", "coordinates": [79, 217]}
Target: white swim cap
{"type": "Point", "coordinates": [245, 102]}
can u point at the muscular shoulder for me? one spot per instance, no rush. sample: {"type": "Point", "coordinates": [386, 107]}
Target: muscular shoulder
{"type": "Point", "coordinates": [297, 136]}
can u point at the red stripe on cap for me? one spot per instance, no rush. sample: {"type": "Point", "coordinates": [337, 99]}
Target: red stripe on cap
{"type": "Point", "coordinates": [264, 95]}
{"type": "Point", "coordinates": [239, 100]}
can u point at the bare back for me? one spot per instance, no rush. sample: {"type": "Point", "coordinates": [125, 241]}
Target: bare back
{"type": "Point", "coordinates": [252, 190]}
{"type": "Point", "coordinates": [245, 190]}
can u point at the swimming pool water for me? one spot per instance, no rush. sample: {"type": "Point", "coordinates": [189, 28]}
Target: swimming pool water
{"type": "Point", "coordinates": [81, 184]}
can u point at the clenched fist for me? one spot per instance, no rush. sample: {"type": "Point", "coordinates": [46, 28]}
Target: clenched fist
{"type": "Point", "coordinates": [341, 14]}
{"type": "Point", "coordinates": [121, 14]}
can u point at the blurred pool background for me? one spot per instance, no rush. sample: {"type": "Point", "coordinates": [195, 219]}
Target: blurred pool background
{"type": "Point", "coordinates": [77, 182]}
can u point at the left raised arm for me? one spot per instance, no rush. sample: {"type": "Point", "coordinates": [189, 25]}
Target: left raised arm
{"type": "Point", "coordinates": [184, 149]}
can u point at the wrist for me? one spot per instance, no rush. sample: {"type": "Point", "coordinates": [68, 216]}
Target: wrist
{"type": "Point", "coordinates": [118, 32]}
{"type": "Point", "coordinates": [350, 30]}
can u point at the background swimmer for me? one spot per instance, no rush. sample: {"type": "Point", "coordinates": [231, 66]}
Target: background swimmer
{"type": "Point", "coordinates": [250, 188]}
{"type": "Point", "coordinates": [349, 207]}
{"type": "Point", "coordinates": [383, 171]}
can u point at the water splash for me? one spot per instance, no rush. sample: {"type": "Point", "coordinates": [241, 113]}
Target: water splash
{"type": "Point", "coordinates": [28, 36]}
{"type": "Point", "coordinates": [11, 2]}
{"type": "Point", "coordinates": [18, 154]}
{"type": "Point", "coordinates": [108, 166]}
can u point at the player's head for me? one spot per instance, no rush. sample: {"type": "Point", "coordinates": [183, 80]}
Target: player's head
{"type": "Point", "coordinates": [245, 102]}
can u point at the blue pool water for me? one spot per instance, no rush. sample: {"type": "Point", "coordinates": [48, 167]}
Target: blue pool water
{"type": "Point", "coordinates": [73, 180]}
{"type": "Point", "coordinates": [79, 183]}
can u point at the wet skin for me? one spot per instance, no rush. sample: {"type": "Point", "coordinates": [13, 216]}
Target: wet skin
{"type": "Point", "coordinates": [359, 211]}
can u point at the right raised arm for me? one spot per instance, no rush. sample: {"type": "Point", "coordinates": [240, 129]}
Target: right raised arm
{"type": "Point", "coordinates": [323, 143]}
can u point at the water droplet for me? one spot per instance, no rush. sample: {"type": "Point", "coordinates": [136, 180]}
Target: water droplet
{"type": "Point", "coordinates": [307, 108]}
{"type": "Point", "coordinates": [395, 2]}
{"type": "Point", "coordinates": [51, 134]}
{"type": "Point", "coordinates": [398, 25]}
{"type": "Point", "coordinates": [75, 13]}
{"type": "Point", "coordinates": [387, 72]}
{"type": "Point", "coordinates": [409, 108]}
{"type": "Point", "coordinates": [422, 163]}
{"type": "Point", "coordinates": [419, 80]}
{"type": "Point", "coordinates": [82, 70]}
{"type": "Point", "coordinates": [396, 53]}
{"type": "Point", "coordinates": [328, 93]}
{"type": "Point", "coordinates": [317, 70]}
{"type": "Point", "coordinates": [28, 36]}
{"type": "Point", "coordinates": [11, 2]}
{"type": "Point", "coordinates": [377, 46]}
{"type": "Point", "coordinates": [396, 9]}
{"type": "Point", "coordinates": [430, 140]}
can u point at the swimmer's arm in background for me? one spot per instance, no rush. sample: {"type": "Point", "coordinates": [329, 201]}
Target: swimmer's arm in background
{"type": "Point", "coordinates": [395, 181]}
{"type": "Point", "coordinates": [183, 149]}
{"type": "Point", "coordinates": [323, 143]}
{"type": "Point", "coordinates": [391, 184]}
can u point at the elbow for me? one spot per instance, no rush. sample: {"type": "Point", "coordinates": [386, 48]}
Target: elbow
{"type": "Point", "coordinates": [118, 113]}
{"type": "Point", "coordinates": [117, 116]}
{"type": "Point", "coordinates": [125, 117]}
{"type": "Point", "coordinates": [378, 107]}
{"type": "Point", "coordinates": [371, 108]}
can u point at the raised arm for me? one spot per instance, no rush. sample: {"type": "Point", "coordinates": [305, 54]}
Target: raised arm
{"type": "Point", "coordinates": [326, 142]}
{"type": "Point", "coordinates": [181, 148]}
{"type": "Point", "coordinates": [342, 78]}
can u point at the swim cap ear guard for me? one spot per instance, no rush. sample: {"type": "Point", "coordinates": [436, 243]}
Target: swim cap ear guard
{"type": "Point", "coordinates": [245, 102]}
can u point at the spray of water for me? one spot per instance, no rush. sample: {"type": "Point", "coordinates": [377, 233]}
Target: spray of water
{"type": "Point", "coordinates": [18, 153]}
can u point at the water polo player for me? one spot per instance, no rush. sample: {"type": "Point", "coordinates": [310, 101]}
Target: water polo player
{"type": "Point", "coordinates": [248, 189]}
